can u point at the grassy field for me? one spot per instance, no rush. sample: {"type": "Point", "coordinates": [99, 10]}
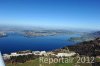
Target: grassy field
{"type": "Point", "coordinates": [36, 63]}
{"type": "Point", "coordinates": [98, 59]}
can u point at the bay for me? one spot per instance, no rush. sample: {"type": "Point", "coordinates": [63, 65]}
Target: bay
{"type": "Point", "coordinates": [16, 42]}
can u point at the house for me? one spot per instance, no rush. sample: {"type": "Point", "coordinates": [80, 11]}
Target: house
{"type": "Point", "coordinates": [66, 54]}
{"type": "Point", "coordinates": [36, 52]}
{"type": "Point", "coordinates": [14, 54]}
{"type": "Point", "coordinates": [6, 56]}
{"type": "Point", "coordinates": [51, 54]}
{"type": "Point", "coordinates": [40, 53]}
{"type": "Point", "coordinates": [43, 53]}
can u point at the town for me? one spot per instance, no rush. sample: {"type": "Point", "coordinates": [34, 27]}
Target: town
{"type": "Point", "coordinates": [37, 54]}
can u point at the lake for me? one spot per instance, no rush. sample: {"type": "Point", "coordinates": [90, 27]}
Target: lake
{"type": "Point", "coordinates": [16, 42]}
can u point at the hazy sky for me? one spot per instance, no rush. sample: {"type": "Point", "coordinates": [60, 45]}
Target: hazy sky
{"type": "Point", "coordinates": [51, 13]}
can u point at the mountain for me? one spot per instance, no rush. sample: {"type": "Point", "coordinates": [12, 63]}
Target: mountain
{"type": "Point", "coordinates": [87, 48]}
{"type": "Point", "coordinates": [85, 37]}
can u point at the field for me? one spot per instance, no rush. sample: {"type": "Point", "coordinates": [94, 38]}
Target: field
{"type": "Point", "coordinates": [36, 63]}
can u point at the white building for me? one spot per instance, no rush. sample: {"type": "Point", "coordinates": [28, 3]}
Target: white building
{"type": "Point", "coordinates": [40, 53]}
{"type": "Point", "coordinates": [50, 54]}
{"type": "Point", "coordinates": [43, 53]}
{"type": "Point", "coordinates": [13, 54]}
{"type": "Point", "coordinates": [6, 56]}
{"type": "Point", "coordinates": [66, 54]}
{"type": "Point", "coordinates": [36, 52]}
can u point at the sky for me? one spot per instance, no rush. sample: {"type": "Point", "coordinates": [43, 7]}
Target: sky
{"type": "Point", "coordinates": [82, 14]}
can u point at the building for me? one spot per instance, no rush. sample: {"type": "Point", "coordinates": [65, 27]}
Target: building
{"type": "Point", "coordinates": [36, 52]}
{"type": "Point", "coordinates": [40, 53]}
{"type": "Point", "coordinates": [6, 56]}
{"type": "Point", "coordinates": [43, 53]}
{"type": "Point", "coordinates": [66, 54]}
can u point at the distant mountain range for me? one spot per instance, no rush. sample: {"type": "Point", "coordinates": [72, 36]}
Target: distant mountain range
{"type": "Point", "coordinates": [85, 37]}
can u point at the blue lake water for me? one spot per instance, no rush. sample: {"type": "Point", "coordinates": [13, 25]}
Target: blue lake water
{"type": "Point", "coordinates": [15, 42]}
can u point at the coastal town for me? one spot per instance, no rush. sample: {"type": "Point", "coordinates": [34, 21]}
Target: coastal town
{"type": "Point", "coordinates": [67, 53]}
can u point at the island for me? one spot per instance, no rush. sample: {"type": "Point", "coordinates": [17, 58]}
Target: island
{"type": "Point", "coordinates": [32, 33]}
